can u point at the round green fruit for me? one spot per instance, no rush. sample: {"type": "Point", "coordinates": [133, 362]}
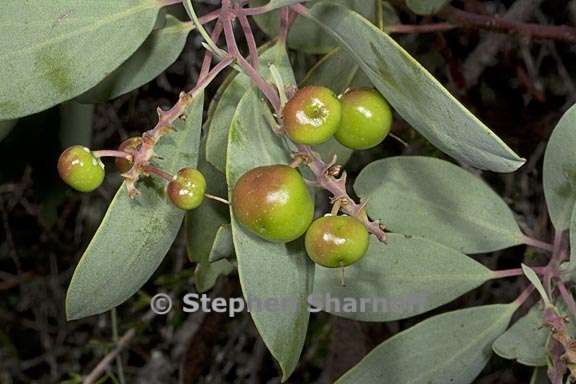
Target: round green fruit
{"type": "Point", "coordinates": [129, 146]}
{"type": "Point", "coordinates": [80, 169]}
{"type": "Point", "coordinates": [312, 116]}
{"type": "Point", "coordinates": [336, 241]}
{"type": "Point", "coordinates": [273, 202]}
{"type": "Point", "coordinates": [186, 190]}
{"type": "Point", "coordinates": [366, 119]}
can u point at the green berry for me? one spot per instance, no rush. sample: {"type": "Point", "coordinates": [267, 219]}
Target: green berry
{"type": "Point", "coordinates": [129, 146]}
{"type": "Point", "coordinates": [312, 116]}
{"type": "Point", "coordinates": [80, 169]}
{"type": "Point", "coordinates": [366, 119]}
{"type": "Point", "coordinates": [336, 241]}
{"type": "Point", "coordinates": [273, 202]}
{"type": "Point", "coordinates": [186, 190]}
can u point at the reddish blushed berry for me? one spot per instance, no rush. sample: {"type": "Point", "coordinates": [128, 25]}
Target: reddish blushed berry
{"type": "Point", "coordinates": [187, 188]}
{"type": "Point", "coordinates": [129, 146]}
{"type": "Point", "coordinates": [312, 116]}
{"type": "Point", "coordinates": [80, 169]}
{"type": "Point", "coordinates": [336, 241]}
{"type": "Point", "coordinates": [273, 202]}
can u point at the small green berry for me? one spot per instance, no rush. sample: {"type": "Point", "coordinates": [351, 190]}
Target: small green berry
{"type": "Point", "coordinates": [129, 146]}
{"type": "Point", "coordinates": [273, 202]}
{"type": "Point", "coordinates": [186, 190]}
{"type": "Point", "coordinates": [336, 241]}
{"type": "Point", "coordinates": [366, 119]}
{"type": "Point", "coordinates": [80, 169]}
{"type": "Point", "coordinates": [312, 116]}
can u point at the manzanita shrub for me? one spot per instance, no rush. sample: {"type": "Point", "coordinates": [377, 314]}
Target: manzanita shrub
{"type": "Point", "coordinates": [269, 146]}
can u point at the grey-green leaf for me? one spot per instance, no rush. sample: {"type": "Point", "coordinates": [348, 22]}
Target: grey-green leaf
{"type": "Point", "coordinates": [437, 200]}
{"type": "Point", "coordinates": [202, 223]}
{"type": "Point", "coordinates": [76, 123]}
{"type": "Point", "coordinates": [450, 348]}
{"type": "Point", "coordinates": [560, 171]}
{"type": "Point", "coordinates": [206, 274]}
{"type": "Point", "coordinates": [531, 275]}
{"type": "Point", "coordinates": [223, 246]}
{"type": "Point", "coordinates": [58, 49]}
{"type": "Point", "coordinates": [157, 53]}
{"type": "Point", "coordinates": [525, 341]}
{"type": "Point", "coordinates": [134, 235]}
{"type": "Point", "coordinates": [426, 7]}
{"type": "Point", "coordinates": [268, 271]}
{"type": "Point", "coordinates": [401, 279]}
{"type": "Point", "coordinates": [230, 97]}
{"type": "Point", "coordinates": [415, 94]}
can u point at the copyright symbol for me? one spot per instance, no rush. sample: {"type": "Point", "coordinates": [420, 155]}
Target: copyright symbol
{"type": "Point", "coordinates": [161, 304]}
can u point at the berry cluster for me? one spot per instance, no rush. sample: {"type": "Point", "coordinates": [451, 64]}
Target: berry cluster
{"type": "Point", "coordinates": [272, 201]}
{"type": "Point", "coordinates": [83, 170]}
{"type": "Point", "coordinates": [359, 119]}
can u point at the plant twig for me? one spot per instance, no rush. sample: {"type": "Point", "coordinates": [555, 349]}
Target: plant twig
{"type": "Point", "coordinates": [537, 243]}
{"type": "Point", "coordinates": [114, 316]}
{"type": "Point", "coordinates": [530, 30]}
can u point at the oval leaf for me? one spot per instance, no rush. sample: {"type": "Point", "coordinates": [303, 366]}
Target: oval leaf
{"type": "Point", "coordinates": [228, 103]}
{"type": "Point", "coordinates": [157, 53]}
{"type": "Point", "coordinates": [525, 341]}
{"type": "Point", "coordinates": [59, 49]}
{"type": "Point", "coordinates": [76, 123]}
{"type": "Point", "coordinates": [450, 348]}
{"type": "Point", "coordinates": [268, 271]}
{"type": "Point", "coordinates": [560, 171]}
{"type": "Point", "coordinates": [404, 278]}
{"type": "Point", "coordinates": [435, 199]}
{"type": "Point", "coordinates": [223, 246]}
{"type": "Point", "coordinates": [134, 235]}
{"type": "Point", "coordinates": [415, 94]}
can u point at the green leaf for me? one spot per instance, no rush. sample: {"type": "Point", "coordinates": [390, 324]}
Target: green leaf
{"type": "Point", "coordinates": [206, 274]}
{"type": "Point", "coordinates": [202, 223]}
{"type": "Point", "coordinates": [273, 4]}
{"type": "Point", "coordinates": [230, 97]}
{"type": "Point", "coordinates": [268, 271]}
{"type": "Point", "coordinates": [435, 199]}
{"type": "Point", "coordinates": [6, 127]}
{"type": "Point", "coordinates": [404, 278]}
{"type": "Point", "coordinates": [305, 35]}
{"type": "Point", "coordinates": [531, 275]}
{"type": "Point", "coordinates": [426, 7]}
{"type": "Point", "coordinates": [158, 52]}
{"type": "Point", "coordinates": [560, 171]}
{"type": "Point", "coordinates": [525, 341]}
{"type": "Point", "coordinates": [60, 48]}
{"type": "Point", "coordinates": [76, 123]}
{"type": "Point", "coordinates": [223, 246]}
{"type": "Point", "coordinates": [415, 94]}
{"type": "Point", "coordinates": [450, 348]}
{"type": "Point", "coordinates": [134, 235]}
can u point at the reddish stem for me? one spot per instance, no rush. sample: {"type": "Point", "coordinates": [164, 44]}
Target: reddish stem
{"type": "Point", "coordinates": [158, 172]}
{"type": "Point", "coordinates": [516, 272]}
{"type": "Point", "coordinates": [537, 243]}
{"type": "Point", "coordinates": [416, 29]}
{"type": "Point", "coordinates": [112, 153]}
{"type": "Point", "coordinates": [524, 295]}
{"type": "Point", "coordinates": [251, 42]}
{"type": "Point", "coordinates": [208, 56]}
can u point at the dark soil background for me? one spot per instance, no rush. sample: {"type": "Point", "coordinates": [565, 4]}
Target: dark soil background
{"type": "Point", "coordinates": [518, 86]}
